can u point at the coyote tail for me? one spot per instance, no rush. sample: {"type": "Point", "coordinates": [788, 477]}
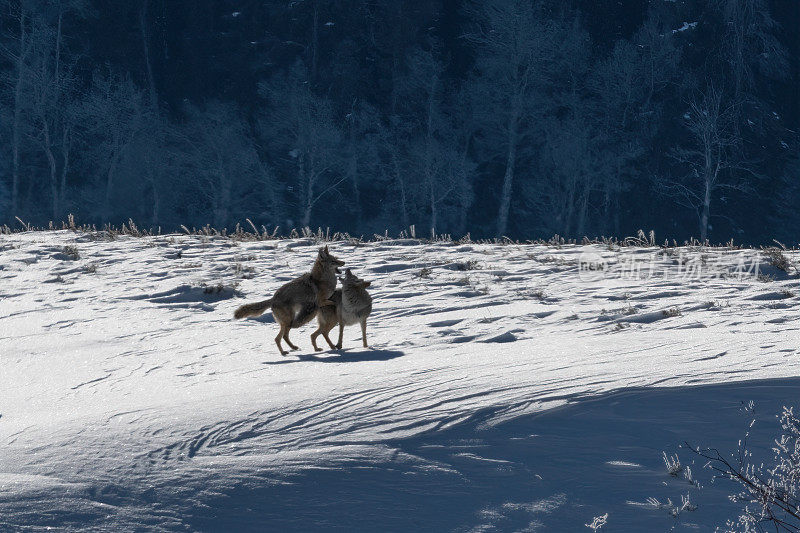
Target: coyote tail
{"type": "Point", "coordinates": [255, 309]}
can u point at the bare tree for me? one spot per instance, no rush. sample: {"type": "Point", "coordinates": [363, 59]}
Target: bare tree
{"type": "Point", "coordinates": [425, 81]}
{"type": "Point", "coordinates": [750, 44]}
{"type": "Point", "coordinates": [114, 112]}
{"type": "Point", "coordinates": [395, 168]}
{"type": "Point", "coordinates": [770, 491]}
{"type": "Point", "coordinates": [53, 118]}
{"type": "Point", "coordinates": [218, 150]}
{"type": "Point", "coordinates": [44, 91]}
{"type": "Point", "coordinates": [26, 25]}
{"type": "Point", "coordinates": [362, 135]}
{"type": "Point", "coordinates": [626, 119]}
{"type": "Point", "coordinates": [301, 125]}
{"type": "Point", "coordinates": [462, 164]}
{"type": "Point", "coordinates": [145, 37]}
{"type": "Point", "coordinates": [709, 158]}
{"type": "Point", "coordinates": [660, 57]}
{"type": "Point", "coordinates": [514, 46]}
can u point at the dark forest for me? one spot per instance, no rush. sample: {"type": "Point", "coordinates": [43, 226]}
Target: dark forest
{"type": "Point", "coordinates": [497, 118]}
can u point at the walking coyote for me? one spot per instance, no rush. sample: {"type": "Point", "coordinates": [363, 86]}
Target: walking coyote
{"type": "Point", "coordinates": [296, 302]}
{"type": "Point", "coordinates": [352, 304]}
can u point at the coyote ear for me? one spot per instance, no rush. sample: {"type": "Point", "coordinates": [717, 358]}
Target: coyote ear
{"type": "Point", "coordinates": [366, 284]}
{"type": "Point", "coordinates": [326, 249]}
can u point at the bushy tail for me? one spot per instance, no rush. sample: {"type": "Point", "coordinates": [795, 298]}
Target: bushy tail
{"type": "Point", "coordinates": [255, 309]}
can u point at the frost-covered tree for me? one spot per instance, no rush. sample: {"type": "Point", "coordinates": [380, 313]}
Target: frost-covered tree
{"type": "Point", "coordinates": [362, 160]}
{"type": "Point", "coordinates": [709, 157]}
{"type": "Point", "coordinates": [219, 154]}
{"type": "Point", "coordinates": [785, 212]}
{"type": "Point", "coordinates": [572, 156]}
{"type": "Point", "coordinates": [396, 171]}
{"type": "Point", "coordinates": [434, 149]}
{"type": "Point", "coordinates": [113, 115]}
{"type": "Point", "coordinates": [770, 491]}
{"type": "Point", "coordinates": [750, 45]}
{"type": "Point", "coordinates": [302, 130]}
{"type": "Point", "coordinates": [18, 53]}
{"type": "Point", "coordinates": [43, 92]}
{"type": "Point", "coordinates": [513, 44]}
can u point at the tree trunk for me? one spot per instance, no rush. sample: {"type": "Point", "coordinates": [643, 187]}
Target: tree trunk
{"type": "Point", "coordinates": [583, 211]}
{"type": "Point", "coordinates": [156, 212]}
{"type": "Point", "coordinates": [146, 48]}
{"type": "Point", "coordinates": [402, 184]}
{"type": "Point", "coordinates": [429, 171]}
{"type": "Point", "coordinates": [352, 172]}
{"type": "Point", "coordinates": [51, 165]}
{"type": "Point", "coordinates": [315, 43]}
{"type": "Point", "coordinates": [433, 209]}
{"type": "Point", "coordinates": [306, 222]}
{"type": "Point", "coordinates": [57, 68]}
{"type": "Point", "coordinates": [569, 215]}
{"type": "Point", "coordinates": [223, 204]}
{"type": "Point", "coordinates": [397, 54]}
{"type": "Point", "coordinates": [706, 212]}
{"type": "Point", "coordinates": [17, 122]}
{"type": "Point", "coordinates": [508, 179]}
{"type": "Point", "coordinates": [112, 169]}
{"type": "Point", "coordinates": [306, 178]}
{"type": "Point", "coordinates": [66, 142]}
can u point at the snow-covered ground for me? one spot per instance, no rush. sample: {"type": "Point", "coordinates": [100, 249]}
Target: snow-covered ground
{"type": "Point", "coordinates": [507, 387]}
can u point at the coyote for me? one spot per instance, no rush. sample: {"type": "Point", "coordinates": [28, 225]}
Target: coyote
{"type": "Point", "coordinates": [352, 303]}
{"type": "Point", "coordinates": [296, 302]}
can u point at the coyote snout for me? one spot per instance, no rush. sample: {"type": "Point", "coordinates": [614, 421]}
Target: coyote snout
{"type": "Point", "coordinates": [352, 304]}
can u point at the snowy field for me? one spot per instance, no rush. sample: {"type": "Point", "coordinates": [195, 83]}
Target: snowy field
{"type": "Point", "coordinates": [507, 387]}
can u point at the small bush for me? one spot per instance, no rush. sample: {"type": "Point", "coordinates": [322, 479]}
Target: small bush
{"type": "Point", "coordinates": [778, 259]}
{"type": "Point", "coordinates": [472, 264]}
{"type": "Point", "coordinates": [539, 294]}
{"type": "Point", "coordinates": [673, 464]}
{"type": "Point", "coordinates": [71, 251]}
{"type": "Point", "coordinates": [769, 492]}
{"type": "Point", "coordinates": [424, 273]}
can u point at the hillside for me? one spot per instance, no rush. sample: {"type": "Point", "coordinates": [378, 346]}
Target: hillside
{"type": "Point", "coordinates": [507, 387]}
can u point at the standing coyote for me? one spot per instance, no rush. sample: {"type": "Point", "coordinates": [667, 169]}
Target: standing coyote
{"type": "Point", "coordinates": [296, 302]}
{"type": "Point", "coordinates": [352, 303]}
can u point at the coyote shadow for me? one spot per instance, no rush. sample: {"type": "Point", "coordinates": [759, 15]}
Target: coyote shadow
{"type": "Point", "coordinates": [340, 356]}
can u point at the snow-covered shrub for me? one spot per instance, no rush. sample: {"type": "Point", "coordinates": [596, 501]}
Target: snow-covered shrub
{"type": "Point", "coordinates": [769, 493]}
{"type": "Point", "coordinates": [71, 252]}
{"type": "Point", "coordinates": [597, 522]}
{"type": "Point", "coordinates": [673, 464]}
{"type": "Point", "coordinates": [776, 257]}
{"type": "Point", "coordinates": [672, 508]}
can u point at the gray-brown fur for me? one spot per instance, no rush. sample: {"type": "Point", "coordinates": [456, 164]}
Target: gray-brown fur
{"type": "Point", "coordinates": [352, 304]}
{"type": "Point", "coordinates": [296, 302]}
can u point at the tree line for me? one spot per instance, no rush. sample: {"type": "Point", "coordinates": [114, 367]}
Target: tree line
{"type": "Point", "coordinates": [523, 118]}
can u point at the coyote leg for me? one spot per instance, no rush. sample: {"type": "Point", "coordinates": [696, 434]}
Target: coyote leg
{"type": "Point", "coordinates": [341, 334]}
{"type": "Point", "coordinates": [314, 339]}
{"type": "Point", "coordinates": [364, 332]}
{"type": "Point", "coordinates": [328, 339]}
{"type": "Point", "coordinates": [286, 338]}
{"type": "Point", "coordinates": [278, 340]}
